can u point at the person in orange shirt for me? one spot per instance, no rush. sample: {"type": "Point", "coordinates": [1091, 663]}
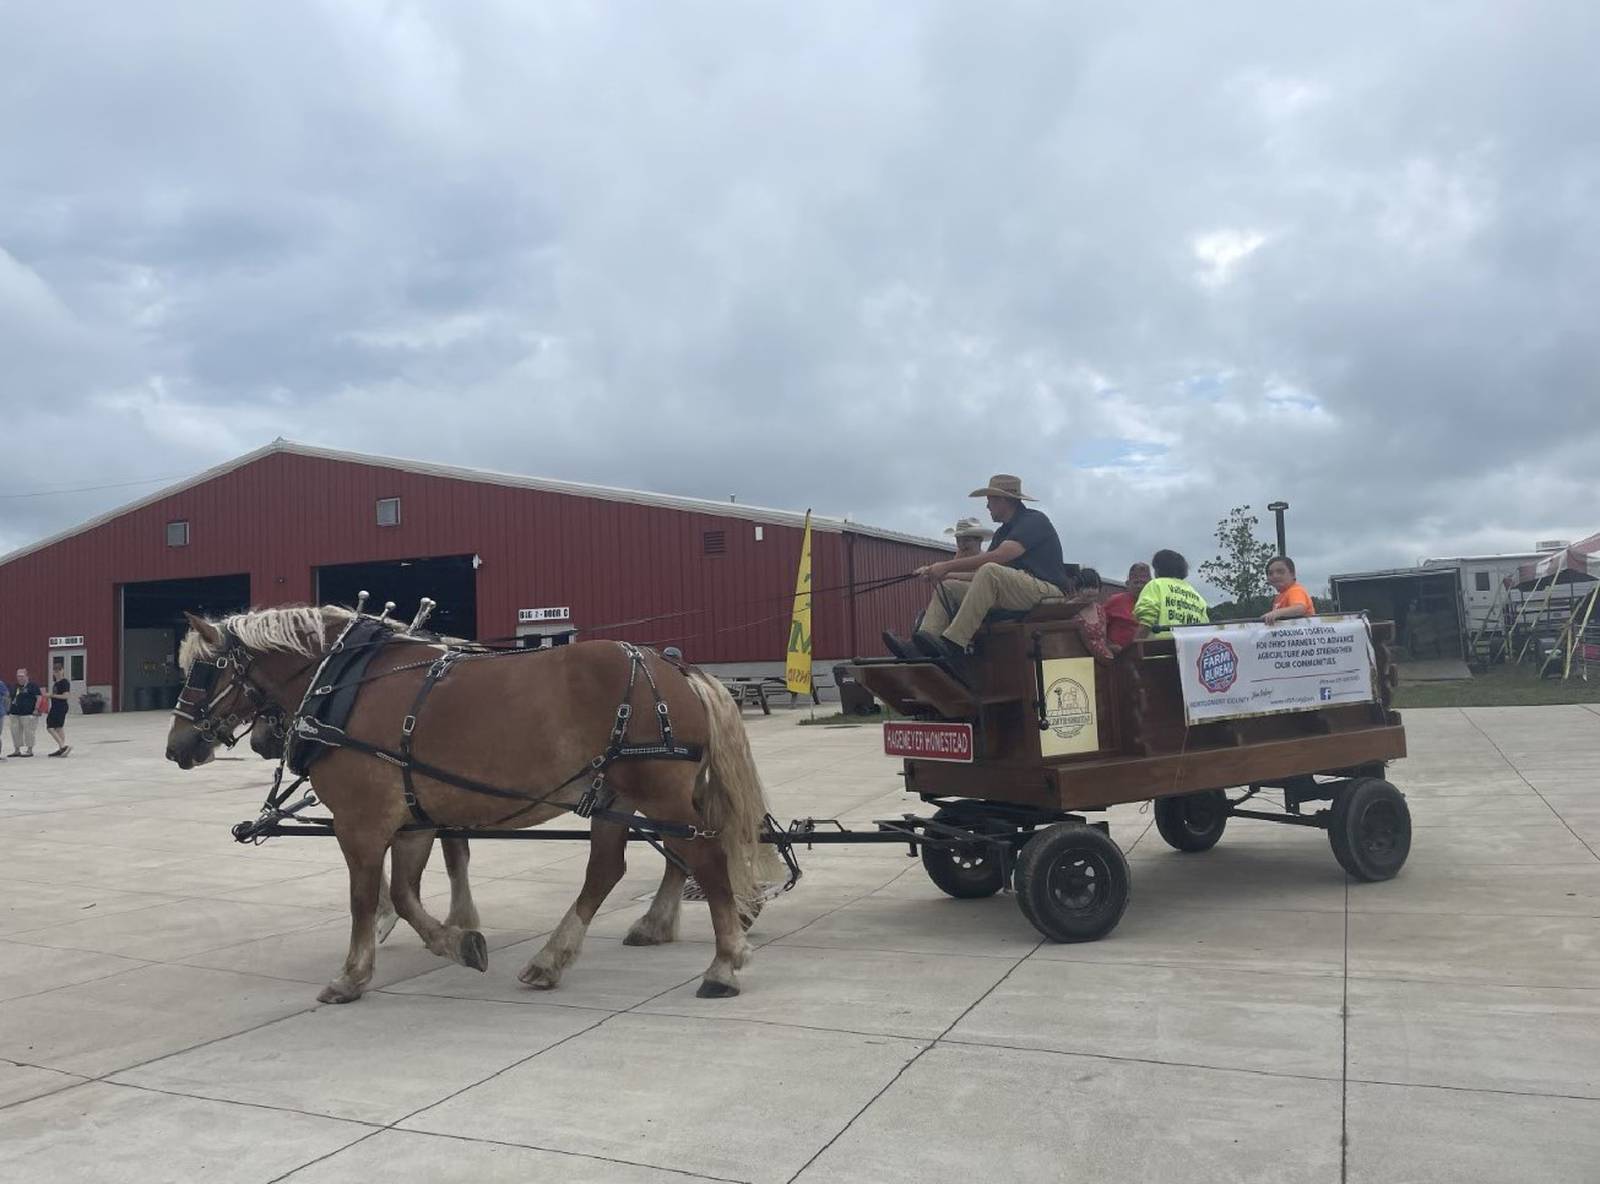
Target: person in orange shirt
{"type": "Point", "coordinates": [1293, 600]}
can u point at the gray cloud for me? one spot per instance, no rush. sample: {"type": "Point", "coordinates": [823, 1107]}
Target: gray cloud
{"type": "Point", "coordinates": [1160, 263]}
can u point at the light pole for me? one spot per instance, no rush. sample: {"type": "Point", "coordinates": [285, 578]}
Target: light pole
{"type": "Point", "coordinates": [1277, 509]}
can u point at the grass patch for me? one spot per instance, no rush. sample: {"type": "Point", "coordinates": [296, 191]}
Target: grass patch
{"type": "Point", "coordinates": [840, 720]}
{"type": "Point", "coordinates": [1502, 686]}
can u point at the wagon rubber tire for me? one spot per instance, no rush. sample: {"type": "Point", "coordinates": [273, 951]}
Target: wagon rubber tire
{"type": "Point", "coordinates": [970, 872]}
{"type": "Point", "coordinates": [1370, 829]}
{"type": "Point", "coordinates": [1192, 821]}
{"type": "Point", "coordinates": [1072, 882]}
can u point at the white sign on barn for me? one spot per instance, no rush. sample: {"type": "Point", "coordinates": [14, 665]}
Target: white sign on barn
{"type": "Point", "coordinates": [531, 616]}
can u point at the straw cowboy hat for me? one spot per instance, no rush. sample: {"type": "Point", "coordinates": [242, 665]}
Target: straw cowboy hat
{"type": "Point", "coordinates": [1003, 485]}
{"type": "Point", "coordinates": [969, 528]}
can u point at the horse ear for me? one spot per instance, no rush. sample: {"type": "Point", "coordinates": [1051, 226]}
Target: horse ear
{"type": "Point", "coordinates": [207, 631]}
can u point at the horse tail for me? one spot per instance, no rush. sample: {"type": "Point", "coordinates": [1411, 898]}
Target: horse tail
{"type": "Point", "coordinates": [731, 799]}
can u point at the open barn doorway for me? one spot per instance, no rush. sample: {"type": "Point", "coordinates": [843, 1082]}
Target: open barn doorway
{"type": "Point", "coordinates": [153, 625]}
{"type": "Point", "coordinates": [451, 580]}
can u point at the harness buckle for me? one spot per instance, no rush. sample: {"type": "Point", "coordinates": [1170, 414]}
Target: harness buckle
{"type": "Point", "coordinates": [591, 796]}
{"type": "Point", "coordinates": [409, 726]}
{"type": "Point", "coordinates": [661, 709]}
{"type": "Point", "coordinates": [625, 712]}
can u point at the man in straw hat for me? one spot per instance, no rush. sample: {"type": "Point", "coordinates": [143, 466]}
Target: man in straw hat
{"type": "Point", "coordinates": [970, 536]}
{"type": "Point", "coordinates": [1021, 569]}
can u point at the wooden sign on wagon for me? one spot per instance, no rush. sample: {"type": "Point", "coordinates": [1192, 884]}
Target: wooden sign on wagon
{"type": "Point", "coordinates": [1070, 708]}
{"type": "Point", "coordinates": [1247, 668]}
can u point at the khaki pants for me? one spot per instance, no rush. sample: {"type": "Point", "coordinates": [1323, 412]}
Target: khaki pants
{"type": "Point", "coordinates": [959, 606]}
{"type": "Point", "coordinates": [22, 729]}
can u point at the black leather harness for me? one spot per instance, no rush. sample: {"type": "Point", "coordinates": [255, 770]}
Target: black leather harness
{"type": "Point", "coordinates": [319, 725]}
{"type": "Point", "coordinates": [331, 698]}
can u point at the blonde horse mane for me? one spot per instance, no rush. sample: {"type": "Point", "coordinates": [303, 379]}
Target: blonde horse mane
{"type": "Point", "coordinates": [297, 629]}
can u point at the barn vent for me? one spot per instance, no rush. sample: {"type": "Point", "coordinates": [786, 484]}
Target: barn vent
{"type": "Point", "coordinates": [715, 542]}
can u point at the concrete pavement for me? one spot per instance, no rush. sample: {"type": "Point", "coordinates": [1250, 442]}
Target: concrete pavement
{"type": "Point", "coordinates": [1255, 1017]}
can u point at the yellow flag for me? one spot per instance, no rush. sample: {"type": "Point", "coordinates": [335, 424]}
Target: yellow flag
{"type": "Point", "coordinates": [797, 668]}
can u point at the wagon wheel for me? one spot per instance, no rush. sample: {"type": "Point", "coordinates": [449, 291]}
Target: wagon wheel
{"type": "Point", "coordinates": [1194, 821]}
{"type": "Point", "coordinates": [1370, 829]}
{"type": "Point", "coordinates": [969, 871]}
{"type": "Point", "coordinates": [1072, 882]}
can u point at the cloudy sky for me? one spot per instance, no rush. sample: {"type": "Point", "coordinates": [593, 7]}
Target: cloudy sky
{"type": "Point", "coordinates": [858, 257]}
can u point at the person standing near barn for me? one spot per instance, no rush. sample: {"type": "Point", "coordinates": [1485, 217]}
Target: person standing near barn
{"type": "Point", "coordinates": [5, 709]}
{"type": "Point", "coordinates": [56, 721]}
{"type": "Point", "coordinates": [24, 704]}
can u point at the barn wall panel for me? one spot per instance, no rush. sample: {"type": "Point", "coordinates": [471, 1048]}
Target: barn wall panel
{"type": "Point", "coordinates": [280, 517]}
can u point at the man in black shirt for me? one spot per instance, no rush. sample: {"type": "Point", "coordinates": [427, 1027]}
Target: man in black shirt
{"type": "Point", "coordinates": [1021, 569]}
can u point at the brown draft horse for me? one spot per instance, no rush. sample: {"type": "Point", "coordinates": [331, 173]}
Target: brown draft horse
{"type": "Point", "coordinates": [268, 735]}
{"type": "Point", "coordinates": [523, 723]}
{"type": "Point", "coordinates": [267, 740]}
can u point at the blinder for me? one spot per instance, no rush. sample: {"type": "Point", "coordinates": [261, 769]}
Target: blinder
{"type": "Point", "coordinates": [197, 704]}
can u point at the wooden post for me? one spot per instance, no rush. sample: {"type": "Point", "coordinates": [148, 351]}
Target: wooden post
{"type": "Point", "coordinates": [1548, 589]}
{"type": "Point", "coordinates": [1575, 636]}
{"type": "Point", "coordinates": [1560, 636]}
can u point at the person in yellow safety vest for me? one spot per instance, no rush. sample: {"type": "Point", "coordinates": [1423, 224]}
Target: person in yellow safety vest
{"type": "Point", "coordinates": [1169, 599]}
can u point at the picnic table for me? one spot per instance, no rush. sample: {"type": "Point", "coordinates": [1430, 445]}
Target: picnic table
{"type": "Point", "coordinates": [747, 689]}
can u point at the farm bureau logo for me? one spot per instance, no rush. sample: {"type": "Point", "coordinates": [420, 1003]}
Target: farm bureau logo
{"type": "Point", "coordinates": [1067, 707]}
{"type": "Point", "coordinates": [1219, 666]}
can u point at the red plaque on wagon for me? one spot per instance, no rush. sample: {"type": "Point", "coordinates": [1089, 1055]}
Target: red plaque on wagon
{"type": "Point", "coordinates": [928, 741]}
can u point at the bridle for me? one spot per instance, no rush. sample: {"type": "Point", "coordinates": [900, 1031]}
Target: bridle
{"type": "Point", "coordinates": [206, 710]}
{"type": "Point", "coordinates": [277, 719]}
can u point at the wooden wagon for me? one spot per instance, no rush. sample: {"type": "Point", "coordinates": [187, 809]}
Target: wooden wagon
{"type": "Point", "coordinates": [1031, 734]}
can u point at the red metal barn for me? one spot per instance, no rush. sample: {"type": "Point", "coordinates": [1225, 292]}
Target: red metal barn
{"type": "Point", "coordinates": [503, 555]}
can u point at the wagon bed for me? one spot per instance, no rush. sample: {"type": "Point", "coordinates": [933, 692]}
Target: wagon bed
{"type": "Point", "coordinates": [1143, 750]}
{"type": "Point", "coordinates": [1016, 774]}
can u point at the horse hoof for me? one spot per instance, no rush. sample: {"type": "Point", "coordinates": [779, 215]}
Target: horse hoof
{"type": "Point", "coordinates": [638, 936]}
{"type": "Point", "coordinates": [334, 993]}
{"type": "Point", "coordinates": [474, 950]}
{"type": "Point", "coordinates": [710, 989]}
{"type": "Point", "coordinates": [537, 978]}
{"type": "Point", "coordinates": [386, 924]}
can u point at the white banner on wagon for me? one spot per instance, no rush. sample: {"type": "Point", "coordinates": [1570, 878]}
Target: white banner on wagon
{"type": "Point", "coordinates": [1248, 668]}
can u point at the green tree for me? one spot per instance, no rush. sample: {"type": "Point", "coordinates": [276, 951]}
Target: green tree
{"type": "Point", "coordinates": [1239, 568]}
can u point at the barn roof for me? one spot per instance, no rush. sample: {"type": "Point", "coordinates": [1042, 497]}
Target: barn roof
{"type": "Point", "coordinates": [745, 513]}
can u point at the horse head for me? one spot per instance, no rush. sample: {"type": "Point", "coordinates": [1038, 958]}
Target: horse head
{"type": "Point", "coordinates": [270, 733]}
{"type": "Point", "coordinates": [235, 677]}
